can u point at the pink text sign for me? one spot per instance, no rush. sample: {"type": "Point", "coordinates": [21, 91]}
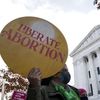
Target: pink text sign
{"type": "Point", "coordinates": [17, 95]}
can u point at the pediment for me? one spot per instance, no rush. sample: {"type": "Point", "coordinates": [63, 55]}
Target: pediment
{"type": "Point", "coordinates": [92, 36]}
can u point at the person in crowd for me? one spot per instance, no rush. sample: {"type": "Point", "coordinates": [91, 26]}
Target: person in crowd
{"type": "Point", "coordinates": [53, 88]}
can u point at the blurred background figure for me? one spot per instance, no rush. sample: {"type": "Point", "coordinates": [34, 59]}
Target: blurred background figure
{"type": "Point", "coordinates": [97, 3]}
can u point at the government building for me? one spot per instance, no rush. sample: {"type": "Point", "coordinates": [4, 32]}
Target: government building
{"type": "Point", "coordinates": [86, 63]}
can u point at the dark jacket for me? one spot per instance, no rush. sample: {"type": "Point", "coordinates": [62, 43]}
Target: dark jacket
{"type": "Point", "coordinates": [45, 93]}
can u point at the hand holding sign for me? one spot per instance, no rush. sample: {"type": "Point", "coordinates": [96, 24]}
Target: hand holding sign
{"type": "Point", "coordinates": [29, 41]}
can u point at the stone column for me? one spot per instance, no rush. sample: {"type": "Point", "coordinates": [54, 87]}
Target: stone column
{"type": "Point", "coordinates": [81, 75]}
{"type": "Point", "coordinates": [93, 75]}
{"type": "Point", "coordinates": [98, 56]}
{"type": "Point", "coordinates": [85, 73]}
{"type": "Point", "coordinates": [75, 74]}
{"type": "Point", "coordinates": [98, 61]}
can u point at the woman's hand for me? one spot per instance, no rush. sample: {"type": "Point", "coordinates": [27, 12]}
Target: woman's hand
{"type": "Point", "coordinates": [34, 77]}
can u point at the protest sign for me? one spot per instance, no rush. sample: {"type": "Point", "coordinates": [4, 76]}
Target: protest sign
{"type": "Point", "coordinates": [29, 42]}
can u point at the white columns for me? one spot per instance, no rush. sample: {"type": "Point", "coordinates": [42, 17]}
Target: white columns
{"type": "Point", "coordinates": [76, 74]}
{"type": "Point", "coordinates": [98, 56]}
{"type": "Point", "coordinates": [81, 74]}
{"type": "Point", "coordinates": [93, 75]}
{"type": "Point", "coordinates": [84, 71]}
{"type": "Point", "coordinates": [98, 63]}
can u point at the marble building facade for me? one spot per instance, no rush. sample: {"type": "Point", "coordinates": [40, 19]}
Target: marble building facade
{"type": "Point", "coordinates": [86, 63]}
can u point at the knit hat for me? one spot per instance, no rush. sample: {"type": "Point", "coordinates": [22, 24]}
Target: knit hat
{"type": "Point", "coordinates": [82, 92]}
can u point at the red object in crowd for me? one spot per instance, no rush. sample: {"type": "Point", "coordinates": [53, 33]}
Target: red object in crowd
{"type": "Point", "coordinates": [82, 92]}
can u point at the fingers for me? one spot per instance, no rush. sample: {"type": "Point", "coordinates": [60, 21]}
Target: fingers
{"type": "Point", "coordinates": [34, 77]}
{"type": "Point", "coordinates": [35, 73]}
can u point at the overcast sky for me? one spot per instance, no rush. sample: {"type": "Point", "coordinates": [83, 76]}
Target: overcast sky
{"type": "Point", "coordinates": [75, 18]}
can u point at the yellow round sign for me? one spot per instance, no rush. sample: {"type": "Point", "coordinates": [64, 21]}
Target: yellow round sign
{"type": "Point", "coordinates": [29, 42]}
